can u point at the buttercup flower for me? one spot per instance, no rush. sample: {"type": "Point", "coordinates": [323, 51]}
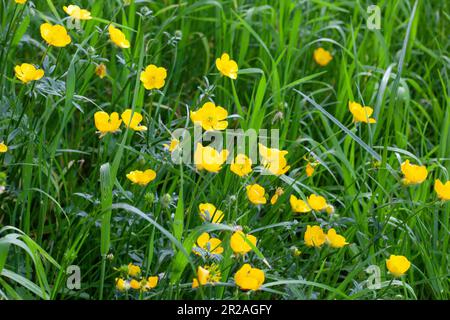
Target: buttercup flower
{"type": "Point", "coordinates": [174, 143]}
{"type": "Point", "coordinates": [21, 1]}
{"type": "Point", "coordinates": [106, 123]}
{"type": "Point", "coordinates": [322, 56]}
{"type": "Point", "coordinates": [133, 122]}
{"type": "Point", "coordinates": [209, 159]}
{"type": "Point", "coordinates": [360, 113]}
{"type": "Point", "coordinates": [122, 285]}
{"type": "Point", "coordinates": [256, 194]}
{"type": "Point", "coordinates": [210, 117]}
{"type": "Point", "coordinates": [208, 212]}
{"type": "Point", "coordinates": [317, 203]}
{"type": "Point", "coordinates": [414, 174]}
{"type": "Point", "coordinates": [314, 236]}
{"type": "Point", "coordinates": [397, 265]}
{"type": "Point", "coordinates": [77, 13]}
{"type": "Point", "coordinates": [100, 71]}
{"type": "Point", "coordinates": [208, 244]}
{"type": "Point", "coordinates": [274, 160]}
{"type": "Point", "coordinates": [133, 270]}
{"type": "Point", "coordinates": [278, 192]}
{"type": "Point", "coordinates": [3, 147]}
{"type": "Point", "coordinates": [207, 274]}
{"type": "Point", "coordinates": [298, 205]}
{"type": "Point", "coordinates": [142, 177]}
{"type": "Point", "coordinates": [55, 35]}
{"type": "Point", "coordinates": [335, 240]}
{"type": "Point", "coordinates": [241, 165]}
{"type": "Point", "coordinates": [238, 243]}
{"type": "Point", "coordinates": [153, 77]}
{"type": "Point", "coordinates": [134, 284]}
{"type": "Point", "coordinates": [248, 278]}
{"type": "Point", "coordinates": [118, 37]}
{"type": "Point", "coordinates": [27, 72]}
{"type": "Point", "coordinates": [442, 190]}
{"type": "Point", "coordinates": [151, 283]}
{"type": "Point", "coordinates": [226, 66]}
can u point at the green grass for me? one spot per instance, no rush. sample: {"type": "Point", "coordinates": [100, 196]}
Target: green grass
{"type": "Point", "coordinates": [67, 200]}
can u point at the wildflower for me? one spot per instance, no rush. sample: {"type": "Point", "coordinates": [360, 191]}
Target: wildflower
{"type": "Point", "coordinates": [208, 244]}
{"type": "Point", "coordinates": [27, 72]}
{"type": "Point", "coordinates": [133, 270]}
{"type": "Point", "coordinates": [322, 56]}
{"type": "Point", "coordinates": [133, 122]}
{"type": "Point", "coordinates": [314, 236]}
{"type": "Point", "coordinates": [100, 71]}
{"type": "Point", "coordinates": [3, 147]}
{"type": "Point", "coordinates": [208, 212]}
{"type": "Point", "coordinates": [298, 205]}
{"type": "Point", "coordinates": [316, 202]}
{"type": "Point", "coordinates": [134, 284]}
{"type": "Point", "coordinates": [210, 117]}
{"type": "Point", "coordinates": [209, 159]}
{"type": "Point", "coordinates": [150, 283]}
{"type": "Point", "coordinates": [142, 177]}
{"type": "Point", "coordinates": [118, 37]}
{"type": "Point", "coordinates": [21, 1]}
{"type": "Point", "coordinates": [55, 35]}
{"type": "Point", "coordinates": [329, 209]}
{"type": "Point", "coordinates": [239, 244]}
{"type": "Point", "coordinates": [207, 274]}
{"type": "Point", "coordinates": [278, 192]}
{"type": "Point", "coordinates": [397, 265]}
{"type": "Point", "coordinates": [226, 66]}
{"type": "Point", "coordinates": [414, 174]}
{"type": "Point", "coordinates": [122, 285]}
{"type": "Point", "coordinates": [241, 165]}
{"type": "Point", "coordinates": [153, 77]}
{"type": "Point", "coordinates": [310, 168]}
{"type": "Point", "coordinates": [77, 13]}
{"type": "Point", "coordinates": [335, 240]}
{"type": "Point", "coordinates": [295, 251]}
{"type": "Point", "coordinates": [273, 159]}
{"type": "Point", "coordinates": [173, 145]}
{"type": "Point", "coordinates": [360, 113]}
{"type": "Point", "coordinates": [256, 194]}
{"type": "Point", "coordinates": [106, 123]}
{"type": "Point", "coordinates": [442, 190]}
{"type": "Point", "coordinates": [248, 278]}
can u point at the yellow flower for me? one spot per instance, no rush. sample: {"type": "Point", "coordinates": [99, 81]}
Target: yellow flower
{"type": "Point", "coordinates": [27, 72]}
{"type": "Point", "coordinates": [256, 194]}
{"type": "Point", "coordinates": [208, 212]}
{"type": "Point", "coordinates": [238, 243]}
{"type": "Point", "coordinates": [207, 274]}
{"type": "Point", "coordinates": [3, 147]}
{"type": "Point", "coordinates": [248, 278]}
{"type": "Point", "coordinates": [106, 123]}
{"type": "Point", "coordinates": [100, 70]}
{"type": "Point", "coordinates": [133, 270]}
{"type": "Point", "coordinates": [273, 159]}
{"type": "Point", "coordinates": [442, 190]}
{"type": "Point", "coordinates": [134, 284]}
{"type": "Point", "coordinates": [329, 209]}
{"type": "Point", "coordinates": [173, 145]}
{"type": "Point", "coordinates": [210, 117]}
{"type": "Point", "coordinates": [142, 177]}
{"type": "Point", "coordinates": [20, 1]}
{"type": "Point", "coordinates": [122, 285]}
{"type": "Point", "coordinates": [397, 265]}
{"type": "Point", "coordinates": [153, 77]}
{"type": "Point", "coordinates": [133, 122]}
{"type": "Point", "coordinates": [55, 35]}
{"type": "Point", "coordinates": [77, 13]}
{"type": "Point", "coordinates": [314, 236]}
{"type": "Point", "coordinates": [360, 113]}
{"type": "Point", "coordinates": [298, 205]}
{"type": "Point", "coordinates": [208, 244]}
{"type": "Point", "coordinates": [335, 240]}
{"type": "Point", "coordinates": [209, 159]}
{"type": "Point", "coordinates": [118, 37]}
{"type": "Point", "coordinates": [241, 165]}
{"type": "Point", "coordinates": [317, 203]}
{"type": "Point", "coordinates": [310, 168]}
{"type": "Point", "coordinates": [414, 174]}
{"type": "Point", "coordinates": [226, 66]}
{"type": "Point", "coordinates": [322, 56]}
{"type": "Point", "coordinates": [151, 283]}
{"type": "Point", "coordinates": [278, 193]}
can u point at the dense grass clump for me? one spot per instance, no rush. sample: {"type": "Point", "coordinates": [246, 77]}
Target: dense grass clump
{"type": "Point", "coordinates": [355, 209]}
